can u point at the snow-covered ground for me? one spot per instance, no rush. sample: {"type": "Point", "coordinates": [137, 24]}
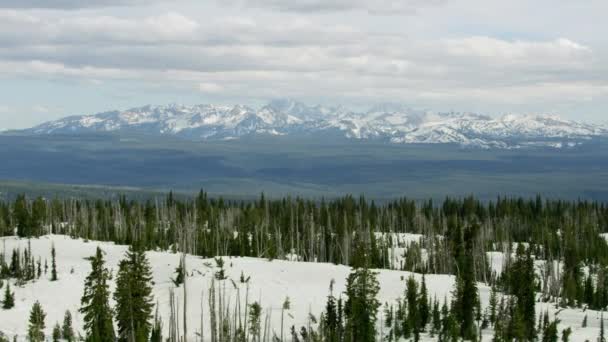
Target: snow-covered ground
{"type": "Point", "coordinates": [306, 285]}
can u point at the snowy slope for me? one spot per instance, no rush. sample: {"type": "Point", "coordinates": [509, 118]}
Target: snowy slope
{"type": "Point", "coordinates": [390, 123]}
{"type": "Point", "coordinates": [306, 284]}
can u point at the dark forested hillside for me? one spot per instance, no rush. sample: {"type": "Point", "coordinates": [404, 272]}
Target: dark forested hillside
{"type": "Point", "coordinates": [349, 230]}
{"type": "Point", "coordinates": [311, 168]}
{"type": "Point", "coordinates": [553, 251]}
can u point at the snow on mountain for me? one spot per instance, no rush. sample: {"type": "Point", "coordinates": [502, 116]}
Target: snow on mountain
{"type": "Point", "coordinates": [387, 122]}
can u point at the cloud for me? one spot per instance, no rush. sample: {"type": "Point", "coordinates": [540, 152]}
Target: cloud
{"type": "Point", "coordinates": [70, 4]}
{"type": "Point", "coordinates": [561, 51]}
{"type": "Point", "coordinates": [312, 6]}
{"type": "Point", "coordinates": [303, 49]}
{"type": "Point", "coordinates": [210, 87]}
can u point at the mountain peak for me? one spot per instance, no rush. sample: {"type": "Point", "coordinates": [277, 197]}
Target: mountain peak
{"type": "Point", "coordinates": [389, 122]}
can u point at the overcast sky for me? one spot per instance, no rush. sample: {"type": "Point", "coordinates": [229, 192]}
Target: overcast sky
{"type": "Point", "coordinates": [69, 57]}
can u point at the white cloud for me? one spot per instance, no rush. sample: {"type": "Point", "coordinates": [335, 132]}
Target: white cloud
{"type": "Point", "coordinates": [311, 6]}
{"type": "Point", "coordinates": [41, 109]}
{"type": "Point", "coordinates": [559, 51]}
{"type": "Point", "coordinates": [307, 49]}
{"type": "Point", "coordinates": [210, 87]}
{"type": "Point", "coordinates": [70, 4]}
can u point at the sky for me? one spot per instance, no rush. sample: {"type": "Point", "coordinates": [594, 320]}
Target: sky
{"type": "Point", "coordinates": [496, 57]}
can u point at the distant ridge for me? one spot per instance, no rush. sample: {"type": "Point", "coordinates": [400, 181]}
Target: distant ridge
{"type": "Point", "coordinates": [390, 123]}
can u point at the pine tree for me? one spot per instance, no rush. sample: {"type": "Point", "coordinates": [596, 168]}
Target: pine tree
{"type": "Point", "coordinates": [522, 286]}
{"type": "Point", "coordinates": [550, 333]}
{"type": "Point", "coordinates": [9, 298]}
{"type": "Point", "coordinates": [38, 268]}
{"type": "Point", "coordinates": [56, 333]}
{"type": "Point", "coordinates": [423, 305]}
{"type": "Point", "coordinates": [465, 292]}
{"type": "Point", "coordinates": [255, 317]}
{"type": "Point", "coordinates": [15, 268]}
{"type": "Point", "coordinates": [95, 305]}
{"type": "Point", "coordinates": [493, 304]}
{"type": "Point", "coordinates": [436, 317]}
{"type": "Point", "coordinates": [36, 327]}
{"type": "Point", "coordinates": [330, 317]}
{"type": "Point", "coordinates": [286, 306]}
{"type": "Point", "coordinates": [157, 329]}
{"type": "Point", "coordinates": [361, 307]}
{"type": "Point", "coordinates": [602, 334]}
{"type": "Point", "coordinates": [133, 296]}
{"type": "Point", "coordinates": [179, 274]}
{"type": "Point", "coordinates": [53, 264]}
{"type": "Point", "coordinates": [584, 325]}
{"type": "Point", "coordinates": [413, 314]}
{"type": "Point", "coordinates": [67, 331]}
{"type": "Point", "coordinates": [566, 334]}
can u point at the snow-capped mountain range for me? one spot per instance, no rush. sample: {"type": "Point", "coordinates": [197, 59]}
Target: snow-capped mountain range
{"type": "Point", "coordinates": [390, 123]}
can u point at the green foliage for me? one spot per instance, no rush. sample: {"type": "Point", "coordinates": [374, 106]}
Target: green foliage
{"type": "Point", "coordinates": [157, 329]}
{"type": "Point", "coordinates": [566, 334]}
{"type": "Point", "coordinates": [53, 264]}
{"type": "Point", "coordinates": [179, 274]}
{"type": "Point", "coordinates": [56, 333]}
{"type": "Point", "coordinates": [35, 332]}
{"type": "Point", "coordinates": [550, 332]}
{"type": "Point", "coordinates": [133, 297]}
{"type": "Point", "coordinates": [361, 307]}
{"type": "Point", "coordinates": [465, 296]}
{"type": "Point", "coordinates": [67, 331]}
{"type": "Point", "coordinates": [8, 301]}
{"type": "Point", "coordinates": [423, 305]}
{"type": "Point", "coordinates": [522, 280]}
{"type": "Point", "coordinates": [331, 320]}
{"type": "Point", "coordinates": [255, 317]}
{"type": "Point", "coordinates": [95, 306]}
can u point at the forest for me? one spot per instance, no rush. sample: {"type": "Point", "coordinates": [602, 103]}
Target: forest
{"type": "Point", "coordinates": [454, 237]}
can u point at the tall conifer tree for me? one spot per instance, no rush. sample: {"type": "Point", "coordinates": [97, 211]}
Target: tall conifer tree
{"type": "Point", "coordinates": [53, 264]}
{"type": "Point", "coordinates": [95, 302]}
{"type": "Point", "coordinates": [133, 296]}
{"type": "Point", "coordinates": [36, 327]}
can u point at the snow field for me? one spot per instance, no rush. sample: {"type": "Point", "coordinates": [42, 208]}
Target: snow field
{"type": "Point", "coordinates": [306, 285]}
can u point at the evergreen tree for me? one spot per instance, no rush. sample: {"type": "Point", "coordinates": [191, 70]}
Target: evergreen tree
{"type": "Point", "coordinates": [56, 333]}
{"type": "Point", "coordinates": [550, 333]}
{"type": "Point", "coordinates": [361, 307]}
{"type": "Point", "coordinates": [36, 327]}
{"type": "Point", "coordinates": [465, 292]}
{"type": "Point", "coordinates": [423, 305]}
{"type": "Point", "coordinates": [522, 287]}
{"type": "Point", "coordinates": [436, 317]}
{"type": "Point", "coordinates": [53, 264]}
{"type": "Point", "coordinates": [602, 334]}
{"type": "Point", "coordinates": [179, 274]}
{"type": "Point", "coordinates": [493, 303]}
{"type": "Point", "coordinates": [133, 296]}
{"type": "Point", "coordinates": [413, 315]}
{"type": "Point", "coordinates": [38, 268]}
{"type": "Point", "coordinates": [21, 216]}
{"type": "Point", "coordinates": [566, 334]}
{"type": "Point", "coordinates": [157, 329]}
{"type": "Point", "coordinates": [584, 325]}
{"type": "Point", "coordinates": [67, 331]}
{"type": "Point", "coordinates": [15, 268]}
{"type": "Point", "coordinates": [9, 298]}
{"type": "Point", "coordinates": [255, 317]}
{"type": "Point", "coordinates": [95, 306]}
